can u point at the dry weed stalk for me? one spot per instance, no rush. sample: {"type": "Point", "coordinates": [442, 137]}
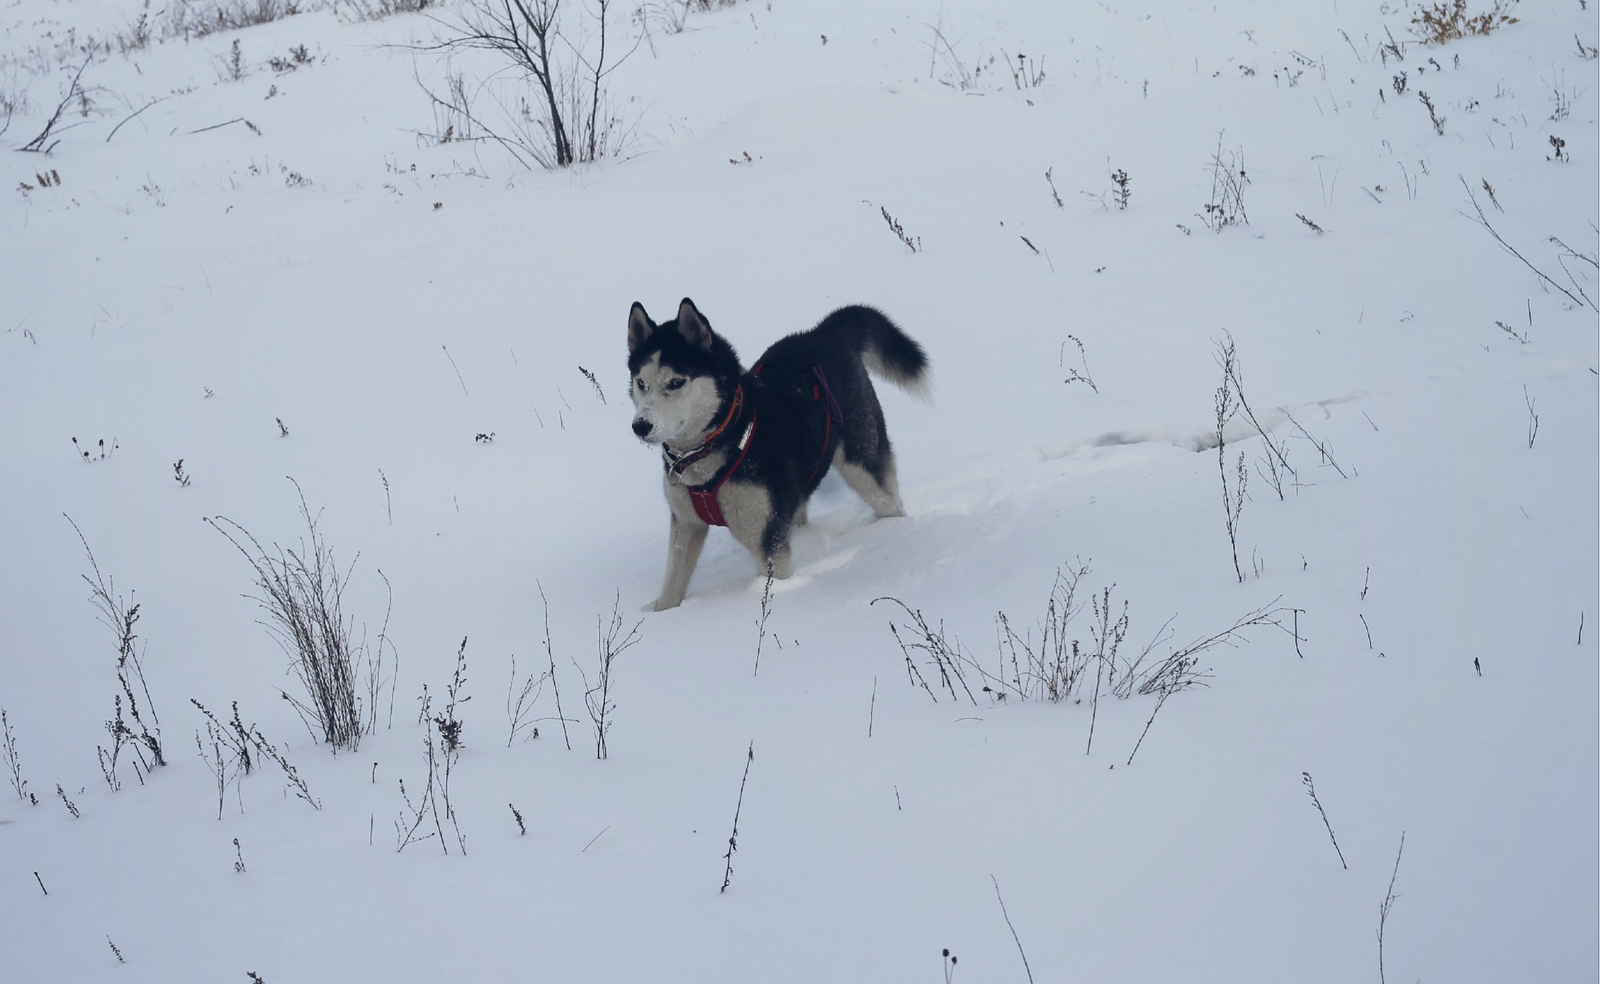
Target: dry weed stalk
{"type": "Point", "coordinates": [302, 594]}
{"type": "Point", "coordinates": [610, 642]}
{"type": "Point", "coordinates": [118, 616]}
{"type": "Point", "coordinates": [1448, 20]}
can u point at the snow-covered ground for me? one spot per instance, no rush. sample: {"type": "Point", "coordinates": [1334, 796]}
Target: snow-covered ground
{"type": "Point", "coordinates": [321, 289]}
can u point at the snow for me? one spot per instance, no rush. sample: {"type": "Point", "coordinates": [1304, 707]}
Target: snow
{"type": "Point", "coordinates": [177, 294]}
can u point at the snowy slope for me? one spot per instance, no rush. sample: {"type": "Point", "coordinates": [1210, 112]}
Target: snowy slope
{"type": "Point", "coordinates": [179, 293]}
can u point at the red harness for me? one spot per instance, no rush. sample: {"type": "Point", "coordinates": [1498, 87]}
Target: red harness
{"type": "Point", "coordinates": [704, 497]}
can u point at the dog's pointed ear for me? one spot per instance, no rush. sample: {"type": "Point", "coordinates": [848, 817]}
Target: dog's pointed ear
{"type": "Point", "coordinates": [640, 327]}
{"type": "Point", "coordinates": [693, 326]}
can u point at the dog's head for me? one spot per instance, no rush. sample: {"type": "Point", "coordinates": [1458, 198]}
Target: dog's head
{"type": "Point", "coordinates": [682, 374]}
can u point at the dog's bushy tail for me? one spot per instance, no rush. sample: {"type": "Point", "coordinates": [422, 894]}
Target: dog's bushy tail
{"type": "Point", "coordinates": [885, 350]}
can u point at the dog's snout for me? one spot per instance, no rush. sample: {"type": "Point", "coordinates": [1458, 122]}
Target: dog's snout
{"type": "Point", "coordinates": [641, 427]}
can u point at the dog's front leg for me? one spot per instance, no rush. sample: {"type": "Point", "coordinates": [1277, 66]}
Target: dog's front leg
{"type": "Point", "coordinates": [684, 543]}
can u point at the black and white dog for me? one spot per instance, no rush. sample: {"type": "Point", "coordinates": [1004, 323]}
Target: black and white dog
{"type": "Point", "coordinates": [745, 450]}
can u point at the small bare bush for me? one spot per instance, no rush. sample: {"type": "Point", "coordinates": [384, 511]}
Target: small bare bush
{"type": "Point", "coordinates": [1228, 181]}
{"type": "Point", "coordinates": [141, 735]}
{"type": "Point", "coordinates": [550, 84]}
{"type": "Point", "coordinates": [47, 139]}
{"type": "Point", "coordinates": [8, 752]}
{"type": "Point", "coordinates": [1056, 659]}
{"type": "Point", "coordinates": [1056, 662]}
{"type": "Point", "coordinates": [302, 592]}
{"type": "Point", "coordinates": [1449, 20]}
{"type": "Point", "coordinates": [448, 723]}
{"type": "Point", "coordinates": [367, 10]}
{"type": "Point", "coordinates": [408, 828]}
{"type": "Point", "coordinates": [913, 243]}
{"type": "Point", "coordinates": [185, 19]}
{"type": "Point", "coordinates": [671, 16]}
{"type": "Point", "coordinates": [238, 751]}
{"type": "Point", "coordinates": [610, 642]}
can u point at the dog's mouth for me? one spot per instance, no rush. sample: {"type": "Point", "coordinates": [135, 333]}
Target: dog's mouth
{"type": "Point", "coordinates": [647, 433]}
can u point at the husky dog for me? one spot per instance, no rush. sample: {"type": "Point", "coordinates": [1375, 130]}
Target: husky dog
{"type": "Point", "coordinates": [745, 450]}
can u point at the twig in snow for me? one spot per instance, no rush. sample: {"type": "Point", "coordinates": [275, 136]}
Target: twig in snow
{"type": "Point", "coordinates": [761, 623]}
{"type": "Point", "coordinates": [133, 114]}
{"type": "Point", "coordinates": [1007, 915]}
{"type": "Point", "coordinates": [457, 368]}
{"type": "Point", "coordinates": [1580, 298]}
{"type": "Point", "coordinates": [550, 652]}
{"type": "Point", "coordinates": [74, 91]}
{"type": "Point", "coordinates": [1388, 903]}
{"type": "Point", "coordinates": [1073, 375]}
{"type": "Point", "coordinates": [1311, 790]}
{"type": "Point", "coordinates": [733, 838]}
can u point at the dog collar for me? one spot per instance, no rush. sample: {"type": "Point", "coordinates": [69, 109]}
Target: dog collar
{"type": "Point", "coordinates": [679, 460]}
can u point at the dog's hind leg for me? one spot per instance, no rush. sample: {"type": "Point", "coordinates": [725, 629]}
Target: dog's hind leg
{"type": "Point", "coordinates": [883, 495]}
{"type": "Point", "coordinates": [684, 543]}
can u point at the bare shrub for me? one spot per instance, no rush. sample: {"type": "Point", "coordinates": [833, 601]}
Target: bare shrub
{"type": "Point", "coordinates": [1448, 20]}
{"type": "Point", "coordinates": [366, 10]}
{"type": "Point", "coordinates": [448, 723]}
{"type": "Point", "coordinates": [1073, 375]}
{"type": "Point", "coordinates": [247, 750]}
{"type": "Point", "coordinates": [219, 764]}
{"type": "Point", "coordinates": [186, 19]}
{"type": "Point", "coordinates": [946, 657]}
{"type": "Point", "coordinates": [610, 642]}
{"type": "Point", "coordinates": [672, 16]}
{"type": "Point", "coordinates": [520, 702]}
{"type": "Point", "coordinates": [408, 828]}
{"type": "Point", "coordinates": [8, 751]}
{"type": "Point", "coordinates": [1433, 114]}
{"type": "Point", "coordinates": [1050, 661]}
{"type": "Point", "coordinates": [913, 243]}
{"type": "Point", "coordinates": [142, 736]}
{"type": "Point", "coordinates": [47, 139]}
{"type": "Point", "coordinates": [550, 81]}
{"type": "Point", "coordinates": [1227, 405]}
{"type": "Point", "coordinates": [1580, 298]}
{"type": "Point", "coordinates": [302, 593]}
{"type": "Point", "coordinates": [452, 112]}
{"type": "Point", "coordinates": [1228, 181]}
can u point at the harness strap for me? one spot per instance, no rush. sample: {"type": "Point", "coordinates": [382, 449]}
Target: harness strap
{"type": "Point", "coordinates": [704, 497]}
{"type": "Point", "coordinates": [834, 415]}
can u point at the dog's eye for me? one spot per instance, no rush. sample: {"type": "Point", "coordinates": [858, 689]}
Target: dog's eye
{"type": "Point", "coordinates": [639, 383]}
{"type": "Point", "coordinates": [674, 385]}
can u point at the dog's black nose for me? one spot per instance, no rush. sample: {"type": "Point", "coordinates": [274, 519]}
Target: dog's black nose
{"type": "Point", "coordinates": [641, 427]}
